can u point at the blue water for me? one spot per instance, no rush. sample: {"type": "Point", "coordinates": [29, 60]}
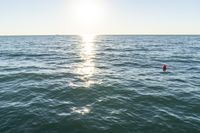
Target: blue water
{"type": "Point", "coordinates": [99, 84]}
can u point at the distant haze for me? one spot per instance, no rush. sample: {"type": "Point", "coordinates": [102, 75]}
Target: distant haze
{"type": "Point", "coordinates": [44, 17]}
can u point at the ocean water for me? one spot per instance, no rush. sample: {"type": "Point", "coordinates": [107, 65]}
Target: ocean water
{"type": "Point", "coordinates": [99, 84]}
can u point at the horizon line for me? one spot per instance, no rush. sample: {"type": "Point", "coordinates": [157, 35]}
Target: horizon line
{"type": "Point", "coordinates": [101, 34]}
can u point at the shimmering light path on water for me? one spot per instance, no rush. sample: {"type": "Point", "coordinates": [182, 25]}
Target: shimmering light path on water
{"type": "Point", "coordinates": [94, 84]}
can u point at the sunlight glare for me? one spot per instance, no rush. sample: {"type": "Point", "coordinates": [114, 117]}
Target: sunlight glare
{"type": "Point", "coordinates": [87, 12]}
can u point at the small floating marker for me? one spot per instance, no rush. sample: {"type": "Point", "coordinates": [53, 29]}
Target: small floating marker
{"type": "Point", "coordinates": [164, 67]}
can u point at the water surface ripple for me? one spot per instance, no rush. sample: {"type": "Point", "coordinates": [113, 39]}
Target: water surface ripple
{"type": "Point", "coordinates": [99, 84]}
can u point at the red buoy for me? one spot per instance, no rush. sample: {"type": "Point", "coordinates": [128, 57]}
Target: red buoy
{"type": "Point", "coordinates": [164, 67]}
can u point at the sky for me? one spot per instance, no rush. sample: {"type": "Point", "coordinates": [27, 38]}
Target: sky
{"type": "Point", "coordinates": [70, 17]}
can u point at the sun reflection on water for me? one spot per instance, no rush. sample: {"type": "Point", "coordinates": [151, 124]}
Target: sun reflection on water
{"type": "Point", "coordinates": [87, 53]}
{"type": "Point", "coordinates": [81, 110]}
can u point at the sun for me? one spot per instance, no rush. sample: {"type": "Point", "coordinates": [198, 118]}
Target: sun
{"type": "Point", "coordinates": [87, 12]}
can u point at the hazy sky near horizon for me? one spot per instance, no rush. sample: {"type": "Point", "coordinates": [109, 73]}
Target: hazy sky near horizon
{"type": "Point", "coordinates": [27, 17]}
